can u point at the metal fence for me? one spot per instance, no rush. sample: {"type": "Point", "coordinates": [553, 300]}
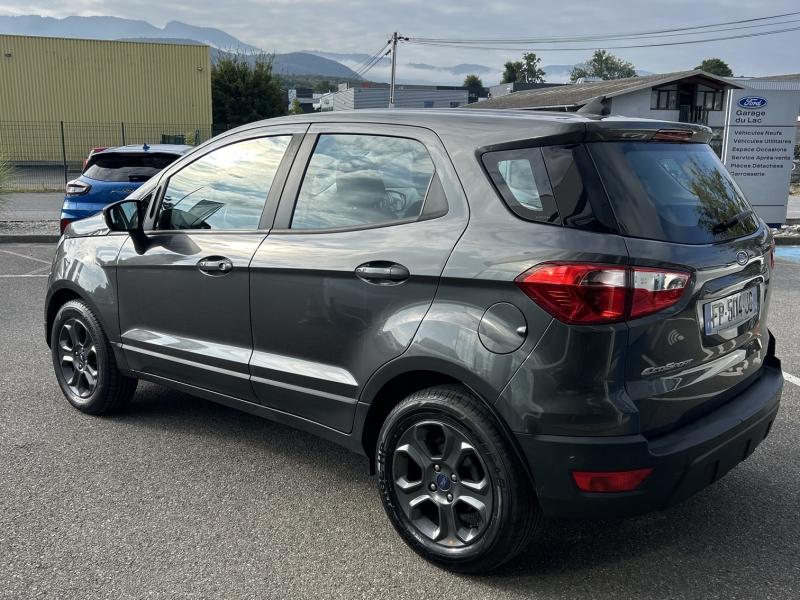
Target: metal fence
{"type": "Point", "coordinates": [44, 156]}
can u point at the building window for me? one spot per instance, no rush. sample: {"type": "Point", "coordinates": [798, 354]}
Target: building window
{"type": "Point", "coordinates": [427, 104]}
{"type": "Point", "coordinates": [708, 98]}
{"type": "Point", "coordinates": [455, 104]}
{"type": "Point", "coordinates": [665, 98]}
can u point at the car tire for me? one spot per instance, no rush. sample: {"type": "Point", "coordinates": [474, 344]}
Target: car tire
{"type": "Point", "coordinates": [452, 484]}
{"type": "Point", "coordinates": [84, 362]}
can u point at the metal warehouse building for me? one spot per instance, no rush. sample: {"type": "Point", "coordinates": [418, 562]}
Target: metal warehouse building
{"type": "Point", "coordinates": [60, 97]}
{"type": "Point", "coordinates": [59, 79]}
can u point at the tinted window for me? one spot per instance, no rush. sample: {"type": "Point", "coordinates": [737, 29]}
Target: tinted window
{"type": "Point", "coordinates": [579, 194]}
{"type": "Point", "coordinates": [127, 167]}
{"type": "Point", "coordinates": [356, 180]}
{"type": "Point", "coordinates": [522, 181]}
{"type": "Point", "coordinates": [226, 189]}
{"type": "Point", "coordinates": [670, 192]}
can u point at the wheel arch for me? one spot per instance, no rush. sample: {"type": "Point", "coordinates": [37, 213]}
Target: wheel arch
{"type": "Point", "coordinates": [400, 378]}
{"type": "Point", "coordinates": [59, 295]}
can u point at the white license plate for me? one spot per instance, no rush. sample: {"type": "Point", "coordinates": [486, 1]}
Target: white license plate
{"type": "Point", "coordinates": [731, 311]}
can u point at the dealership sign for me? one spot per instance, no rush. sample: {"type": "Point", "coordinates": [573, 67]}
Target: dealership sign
{"type": "Point", "coordinates": [758, 147]}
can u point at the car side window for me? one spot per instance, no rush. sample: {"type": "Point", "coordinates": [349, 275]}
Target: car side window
{"type": "Point", "coordinates": [357, 180]}
{"type": "Point", "coordinates": [225, 189]}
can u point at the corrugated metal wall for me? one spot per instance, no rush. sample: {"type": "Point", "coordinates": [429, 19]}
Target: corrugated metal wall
{"type": "Point", "coordinates": [359, 98]}
{"type": "Point", "coordinates": [98, 81]}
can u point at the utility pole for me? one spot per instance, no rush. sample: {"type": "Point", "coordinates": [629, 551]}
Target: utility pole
{"type": "Point", "coordinates": [395, 38]}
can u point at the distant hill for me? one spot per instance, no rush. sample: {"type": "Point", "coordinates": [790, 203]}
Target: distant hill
{"type": "Point", "coordinates": [561, 73]}
{"type": "Point", "coordinates": [462, 69]}
{"type": "Point", "coordinates": [114, 28]}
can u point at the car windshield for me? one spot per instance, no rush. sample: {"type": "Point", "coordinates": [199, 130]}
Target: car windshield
{"type": "Point", "coordinates": [128, 168]}
{"type": "Point", "coordinates": [671, 192]}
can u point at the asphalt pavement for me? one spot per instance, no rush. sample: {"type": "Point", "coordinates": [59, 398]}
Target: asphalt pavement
{"type": "Point", "coordinates": [178, 497]}
{"type": "Point", "coordinates": [31, 206]}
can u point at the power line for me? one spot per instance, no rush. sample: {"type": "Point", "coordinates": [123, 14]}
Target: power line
{"type": "Point", "coordinates": [528, 47]}
{"type": "Point", "coordinates": [612, 36]}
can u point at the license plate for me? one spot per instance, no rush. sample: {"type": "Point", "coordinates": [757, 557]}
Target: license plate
{"type": "Point", "coordinates": [731, 311]}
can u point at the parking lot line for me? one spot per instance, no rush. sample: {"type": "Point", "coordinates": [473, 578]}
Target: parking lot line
{"type": "Point", "coordinates": [28, 275]}
{"type": "Point", "coordinates": [791, 378]}
{"type": "Point", "coordinates": [47, 262]}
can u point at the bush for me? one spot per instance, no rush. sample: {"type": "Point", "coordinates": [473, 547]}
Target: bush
{"type": "Point", "coordinates": [6, 171]}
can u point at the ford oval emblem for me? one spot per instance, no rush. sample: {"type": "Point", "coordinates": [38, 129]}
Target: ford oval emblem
{"type": "Point", "coordinates": [443, 481]}
{"type": "Point", "coordinates": [742, 258]}
{"type": "Point", "coordinates": [752, 102]}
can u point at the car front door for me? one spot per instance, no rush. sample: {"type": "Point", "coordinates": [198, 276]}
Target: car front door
{"type": "Point", "coordinates": [184, 303]}
{"type": "Point", "coordinates": [367, 220]}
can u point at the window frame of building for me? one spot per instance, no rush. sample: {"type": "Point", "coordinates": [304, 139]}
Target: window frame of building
{"type": "Point", "coordinates": [664, 97]}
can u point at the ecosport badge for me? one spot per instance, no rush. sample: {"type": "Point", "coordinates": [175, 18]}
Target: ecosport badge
{"type": "Point", "coordinates": [666, 367]}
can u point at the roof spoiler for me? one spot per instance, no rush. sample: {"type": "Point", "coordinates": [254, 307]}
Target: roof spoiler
{"type": "Point", "coordinates": [595, 106]}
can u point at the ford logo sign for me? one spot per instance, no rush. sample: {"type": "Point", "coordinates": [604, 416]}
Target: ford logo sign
{"type": "Point", "coordinates": [752, 102]}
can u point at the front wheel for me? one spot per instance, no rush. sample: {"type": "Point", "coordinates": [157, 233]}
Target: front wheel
{"type": "Point", "coordinates": [451, 483]}
{"type": "Point", "coordinates": [84, 362]}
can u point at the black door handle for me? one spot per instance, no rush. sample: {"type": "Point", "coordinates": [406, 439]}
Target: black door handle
{"type": "Point", "coordinates": [382, 273]}
{"type": "Point", "coordinates": [215, 265]}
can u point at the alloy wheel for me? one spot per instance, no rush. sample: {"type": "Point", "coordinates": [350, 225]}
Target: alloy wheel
{"type": "Point", "coordinates": [442, 484]}
{"type": "Point", "coordinates": [77, 357]}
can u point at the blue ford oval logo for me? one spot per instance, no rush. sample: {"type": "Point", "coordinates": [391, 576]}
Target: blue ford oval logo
{"type": "Point", "coordinates": [752, 102]}
{"type": "Point", "coordinates": [443, 481]}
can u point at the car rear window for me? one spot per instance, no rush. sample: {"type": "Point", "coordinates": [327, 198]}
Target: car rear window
{"type": "Point", "coordinates": [521, 178]}
{"type": "Point", "coordinates": [127, 167]}
{"type": "Point", "coordinates": [670, 192]}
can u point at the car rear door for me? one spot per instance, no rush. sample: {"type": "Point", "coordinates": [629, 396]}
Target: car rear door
{"type": "Point", "coordinates": [672, 201]}
{"type": "Point", "coordinates": [184, 291]}
{"type": "Point", "coordinates": [368, 218]}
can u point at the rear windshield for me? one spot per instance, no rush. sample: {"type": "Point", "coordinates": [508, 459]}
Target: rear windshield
{"type": "Point", "coordinates": [127, 167]}
{"type": "Point", "coordinates": [670, 192]}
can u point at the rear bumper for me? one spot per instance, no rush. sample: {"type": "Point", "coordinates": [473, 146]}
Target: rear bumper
{"type": "Point", "coordinates": [684, 461]}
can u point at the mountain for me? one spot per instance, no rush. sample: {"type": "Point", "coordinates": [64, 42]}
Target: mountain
{"type": "Point", "coordinates": [114, 28]}
{"type": "Point", "coordinates": [351, 59]}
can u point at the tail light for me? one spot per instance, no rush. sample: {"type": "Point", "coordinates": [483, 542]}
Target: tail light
{"type": "Point", "coordinates": [76, 187]}
{"type": "Point", "coordinates": [591, 293]}
{"type": "Point", "coordinates": [64, 223]}
{"type": "Point", "coordinates": [613, 481]}
{"type": "Point", "coordinates": [672, 135]}
{"type": "Point", "coordinates": [772, 255]}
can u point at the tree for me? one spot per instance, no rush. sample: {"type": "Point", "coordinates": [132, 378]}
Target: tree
{"type": "Point", "coordinates": [244, 89]}
{"type": "Point", "coordinates": [472, 80]}
{"type": "Point", "coordinates": [323, 87]}
{"type": "Point", "coordinates": [604, 65]}
{"type": "Point", "coordinates": [295, 109]}
{"type": "Point", "coordinates": [531, 73]}
{"type": "Point", "coordinates": [715, 66]}
{"type": "Point", "coordinates": [513, 72]}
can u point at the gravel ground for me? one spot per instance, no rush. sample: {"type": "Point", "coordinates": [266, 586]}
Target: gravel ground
{"type": "Point", "coordinates": [28, 227]}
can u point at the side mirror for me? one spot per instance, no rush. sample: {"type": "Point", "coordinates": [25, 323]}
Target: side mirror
{"type": "Point", "coordinates": [124, 215]}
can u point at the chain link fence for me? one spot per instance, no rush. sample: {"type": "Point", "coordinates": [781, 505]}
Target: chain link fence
{"type": "Point", "coordinates": [45, 155]}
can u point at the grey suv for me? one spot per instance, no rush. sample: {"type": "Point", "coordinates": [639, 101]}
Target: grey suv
{"type": "Point", "coordinates": [511, 314]}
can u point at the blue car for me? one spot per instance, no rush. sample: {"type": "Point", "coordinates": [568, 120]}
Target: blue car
{"type": "Point", "coordinates": [113, 174]}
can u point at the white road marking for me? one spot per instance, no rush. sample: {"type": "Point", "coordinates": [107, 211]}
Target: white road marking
{"type": "Point", "coordinates": [791, 378]}
{"type": "Point", "coordinates": [17, 276]}
{"type": "Point", "coordinates": [47, 262]}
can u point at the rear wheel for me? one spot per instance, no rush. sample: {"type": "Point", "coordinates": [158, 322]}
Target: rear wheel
{"type": "Point", "coordinates": [84, 362]}
{"type": "Point", "coordinates": [451, 483]}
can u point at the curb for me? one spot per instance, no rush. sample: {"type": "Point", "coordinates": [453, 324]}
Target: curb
{"type": "Point", "coordinates": [787, 240]}
{"type": "Point", "coordinates": [31, 238]}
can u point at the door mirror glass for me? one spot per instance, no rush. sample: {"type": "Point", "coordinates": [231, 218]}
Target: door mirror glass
{"type": "Point", "coordinates": [123, 216]}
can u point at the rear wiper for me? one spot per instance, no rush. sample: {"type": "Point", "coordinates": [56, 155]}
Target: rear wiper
{"type": "Point", "coordinates": [732, 222]}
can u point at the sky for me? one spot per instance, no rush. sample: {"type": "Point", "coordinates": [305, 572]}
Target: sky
{"type": "Point", "coordinates": [362, 26]}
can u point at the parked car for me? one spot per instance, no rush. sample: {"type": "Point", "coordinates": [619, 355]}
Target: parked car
{"type": "Point", "coordinates": [91, 152]}
{"type": "Point", "coordinates": [511, 314]}
{"type": "Point", "coordinates": [112, 174]}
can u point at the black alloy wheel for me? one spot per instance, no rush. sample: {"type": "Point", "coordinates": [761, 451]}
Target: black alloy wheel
{"type": "Point", "coordinates": [84, 362]}
{"type": "Point", "coordinates": [451, 483]}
